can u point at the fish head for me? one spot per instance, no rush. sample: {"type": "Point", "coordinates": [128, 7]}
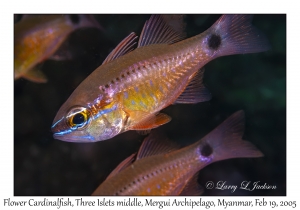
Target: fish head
{"type": "Point", "coordinates": [91, 122]}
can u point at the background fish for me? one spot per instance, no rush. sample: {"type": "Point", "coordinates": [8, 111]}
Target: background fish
{"type": "Point", "coordinates": [161, 172]}
{"type": "Point", "coordinates": [37, 37]}
{"type": "Point", "coordinates": [131, 87]}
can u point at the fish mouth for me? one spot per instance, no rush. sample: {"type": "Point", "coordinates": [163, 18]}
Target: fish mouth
{"type": "Point", "coordinates": [62, 132]}
{"type": "Point", "coordinates": [59, 136]}
{"type": "Point", "coordinates": [63, 136]}
{"type": "Point", "coordinates": [56, 124]}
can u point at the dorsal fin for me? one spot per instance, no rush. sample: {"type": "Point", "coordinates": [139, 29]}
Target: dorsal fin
{"type": "Point", "coordinates": [124, 164]}
{"type": "Point", "coordinates": [125, 46]}
{"type": "Point", "coordinates": [195, 92]}
{"type": "Point", "coordinates": [162, 29]}
{"type": "Point", "coordinates": [156, 143]}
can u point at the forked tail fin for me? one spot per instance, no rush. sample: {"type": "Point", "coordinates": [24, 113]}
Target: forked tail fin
{"type": "Point", "coordinates": [234, 34]}
{"type": "Point", "coordinates": [225, 141]}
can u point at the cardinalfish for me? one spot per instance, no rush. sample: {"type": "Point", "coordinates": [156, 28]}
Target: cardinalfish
{"type": "Point", "coordinates": [132, 85]}
{"type": "Point", "coordinates": [161, 168]}
{"type": "Point", "coordinates": [38, 37]}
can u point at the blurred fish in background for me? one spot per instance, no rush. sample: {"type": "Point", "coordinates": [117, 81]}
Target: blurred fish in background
{"type": "Point", "coordinates": [163, 169]}
{"type": "Point", "coordinates": [38, 37]}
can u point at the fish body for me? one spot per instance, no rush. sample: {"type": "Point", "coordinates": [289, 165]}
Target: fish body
{"type": "Point", "coordinates": [37, 37]}
{"type": "Point", "coordinates": [175, 172]}
{"type": "Point", "coordinates": [130, 88]}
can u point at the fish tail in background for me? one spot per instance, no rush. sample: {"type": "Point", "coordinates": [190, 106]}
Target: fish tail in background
{"type": "Point", "coordinates": [234, 34]}
{"type": "Point", "coordinates": [225, 141]}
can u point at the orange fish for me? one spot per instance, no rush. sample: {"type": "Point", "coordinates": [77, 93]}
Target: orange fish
{"type": "Point", "coordinates": [131, 86]}
{"type": "Point", "coordinates": [37, 37]}
{"type": "Point", "coordinates": [162, 169]}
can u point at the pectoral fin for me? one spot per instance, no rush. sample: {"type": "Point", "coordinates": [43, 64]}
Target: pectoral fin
{"type": "Point", "coordinates": [35, 75]}
{"type": "Point", "coordinates": [151, 121]}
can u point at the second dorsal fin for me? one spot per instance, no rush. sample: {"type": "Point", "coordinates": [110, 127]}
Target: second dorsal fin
{"type": "Point", "coordinates": [162, 29]}
{"type": "Point", "coordinates": [125, 46]}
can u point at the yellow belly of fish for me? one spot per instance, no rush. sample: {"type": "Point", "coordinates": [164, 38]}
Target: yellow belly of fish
{"type": "Point", "coordinates": [155, 86]}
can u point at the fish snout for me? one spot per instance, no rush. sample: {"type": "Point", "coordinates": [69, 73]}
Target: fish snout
{"type": "Point", "coordinates": [59, 127]}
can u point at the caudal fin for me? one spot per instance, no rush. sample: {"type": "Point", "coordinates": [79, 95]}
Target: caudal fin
{"type": "Point", "coordinates": [234, 34]}
{"type": "Point", "coordinates": [225, 141]}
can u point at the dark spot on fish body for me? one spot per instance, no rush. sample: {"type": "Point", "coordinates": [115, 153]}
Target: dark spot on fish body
{"type": "Point", "coordinates": [75, 19]}
{"type": "Point", "coordinates": [214, 41]}
{"type": "Point", "coordinates": [206, 150]}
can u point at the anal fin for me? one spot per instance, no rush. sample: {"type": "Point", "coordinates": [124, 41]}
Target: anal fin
{"type": "Point", "coordinates": [192, 187]}
{"type": "Point", "coordinates": [195, 92]}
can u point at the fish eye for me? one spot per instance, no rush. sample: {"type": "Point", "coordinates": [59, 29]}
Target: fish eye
{"type": "Point", "coordinates": [78, 117]}
{"type": "Point", "coordinates": [75, 19]}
